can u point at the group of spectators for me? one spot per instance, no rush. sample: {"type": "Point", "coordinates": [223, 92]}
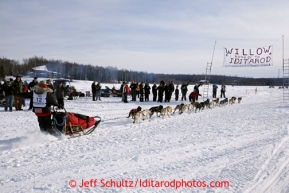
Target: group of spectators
{"type": "Point", "coordinates": [11, 88]}
{"type": "Point", "coordinates": [223, 90]}
{"type": "Point", "coordinates": [14, 89]}
{"type": "Point", "coordinates": [143, 90]}
{"type": "Point", "coordinates": [161, 93]}
{"type": "Point", "coordinates": [96, 91]}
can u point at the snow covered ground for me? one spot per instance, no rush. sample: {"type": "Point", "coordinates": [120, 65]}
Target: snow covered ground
{"type": "Point", "coordinates": [241, 148]}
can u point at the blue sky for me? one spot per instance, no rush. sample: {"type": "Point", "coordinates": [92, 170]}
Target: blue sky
{"type": "Point", "coordinates": [174, 37]}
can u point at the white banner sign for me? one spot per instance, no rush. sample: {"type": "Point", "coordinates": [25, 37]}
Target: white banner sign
{"type": "Point", "coordinates": [239, 57]}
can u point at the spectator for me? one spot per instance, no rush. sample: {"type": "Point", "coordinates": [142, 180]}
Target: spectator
{"type": "Point", "coordinates": [93, 90]}
{"type": "Point", "coordinates": [177, 93]}
{"type": "Point", "coordinates": [172, 89]}
{"type": "Point", "coordinates": [154, 90]}
{"type": "Point", "coordinates": [167, 93]}
{"type": "Point", "coordinates": [98, 91]}
{"type": "Point", "coordinates": [196, 89]}
{"type": "Point", "coordinates": [161, 89]}
{"type": "Point", "coordinates": [121, 88]}
{"type": "Point", "coordinates": [25, 89]}
{"type": "Point", "coordinates": [147, 90]}
{"type": "Point", "coordinates": [215, 87]}
{"type": "Point", "coordinates": [223, 90]}
{"type": "Point", "coordinates": [9, 95]}
{"type": "Point", "coordinates": [1, 88]}
{"type": "Point", "coordinates": [33, 83]}
{"type": "Point", "coordinates": [59, 93]}
{"type": "Point", "coordinates": [18, 87]}
{"type": "Point", "coordinates": [72, 93]}
{"type": "Point", "coordinates": [49, 84]}
{"type": "Point", "coordinates": [133, 90]}
{"type": "Point", "coordinates": [193, 96]}
{"type": "Point", "coordinates": [137, 90]}
{"type": "Point", "coordinates": [184, 89]}
{"type": "Point", "coordinates": [126, 91]}
{"type": "Point", "coordinates": [141, 92]}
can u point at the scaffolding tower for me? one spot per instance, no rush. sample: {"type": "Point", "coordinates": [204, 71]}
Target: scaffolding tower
{"type": "Point", "coordinates": [285, 80]}
{"type": "Point", "coordinates": [207, 80]}
{"type": "Point", "coordinates": [207, 76]}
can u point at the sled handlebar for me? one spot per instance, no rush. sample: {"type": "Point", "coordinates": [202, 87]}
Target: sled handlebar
{"type": "Point", "coordinates": [55, 109]}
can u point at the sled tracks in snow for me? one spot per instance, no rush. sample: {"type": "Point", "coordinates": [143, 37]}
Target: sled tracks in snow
{"type": "Point", "coordinates": [273, 176]}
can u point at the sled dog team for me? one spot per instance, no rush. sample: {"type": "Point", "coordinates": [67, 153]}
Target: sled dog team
{"type": "Point", "coordinates": [138, 113]}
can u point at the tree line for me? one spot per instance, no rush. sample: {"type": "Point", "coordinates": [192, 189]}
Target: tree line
{"type": "Point", "coordinates": [69, 70]}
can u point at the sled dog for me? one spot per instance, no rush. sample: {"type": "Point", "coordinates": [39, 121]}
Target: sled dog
{"type": "Point", "coordinates": [198, 106]}
{"type": "Point", "coordinates": [179, 107]}
{"type": "Point", "coordinates": [239, 99]}
{"type": "Point", "coordinates": [133, 112]}
{"type": "Point", "coordinates": [187, 107]}
{"type": "Point", "coordinates": [166, 111]}
{"type": "Point", "coordinates": [156, 110]}
{"type": "Point", "coordinates": [215, 102]}
{"type": "Point", "coordinates": [146, 114]}
{"type": "Point", "coordinates": [223, 102]}
{"type": "Point", "coordinates": [207, 103]}
{"type": "Point", "coordinates": [137, 116]}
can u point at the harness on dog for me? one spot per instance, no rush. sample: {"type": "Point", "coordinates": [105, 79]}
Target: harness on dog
{"type": "Point", "coordinates": [134, 111]}
{"type": "Point", "coordinates": [141, 112]}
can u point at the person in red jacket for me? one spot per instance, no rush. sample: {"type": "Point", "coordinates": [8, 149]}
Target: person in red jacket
{"type": "Point", "coordinates": [25, 89]}
{"type": "Point", "coordinates": [126, 91]}
{"type": "Point", "coordinates": [193, 96]}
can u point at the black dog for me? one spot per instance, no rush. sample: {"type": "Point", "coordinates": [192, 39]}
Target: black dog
{"type": "Point", "coordinates": [207, 103]}
{"type": "Point", "coordinates": [223, 102]}
{"type": "Point", "coordinates": [199, 106]}
{"type": "Point", "coordinates": [133, 112]}
{"type": "Point", "coordinates": [157, 110]}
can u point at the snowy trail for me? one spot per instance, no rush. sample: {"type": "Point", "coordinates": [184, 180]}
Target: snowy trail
{"type": "Point", "coordinates": [244, 144]}
{"type": "Point", "coordinates": [265, 181]}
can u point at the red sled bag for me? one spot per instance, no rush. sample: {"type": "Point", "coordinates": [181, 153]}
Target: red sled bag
{"type": "Point", "coordinates": [73, 124]}
{"type": "Point", "coordinates": [79, 120]}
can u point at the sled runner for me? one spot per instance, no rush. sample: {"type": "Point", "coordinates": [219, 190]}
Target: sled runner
{"type": "Point", "coordinates": [73, 124]}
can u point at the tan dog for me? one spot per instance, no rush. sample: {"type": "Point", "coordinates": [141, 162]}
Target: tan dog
{"type": "Point", "coordinates": [215, 102]}
{"type": "Point", "coordinates": [194, 105]}
{"type": "Point", "coordinates": [137, 116]}
{"type": "Point", "coordinates": [187, 107]}
{"type": "Point", "coordinates": [166, 111]}
{"type": "Point", "coordinates": [146, 114]}
{"type": "Point", "coordinates": [231, 101]}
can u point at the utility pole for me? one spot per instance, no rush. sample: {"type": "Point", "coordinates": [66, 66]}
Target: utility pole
{"type": "Point", "coordinates": [278, 73]}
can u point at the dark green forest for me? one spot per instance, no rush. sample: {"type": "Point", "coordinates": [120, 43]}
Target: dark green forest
{"type": "Point", "coordinates": [69, 70]}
